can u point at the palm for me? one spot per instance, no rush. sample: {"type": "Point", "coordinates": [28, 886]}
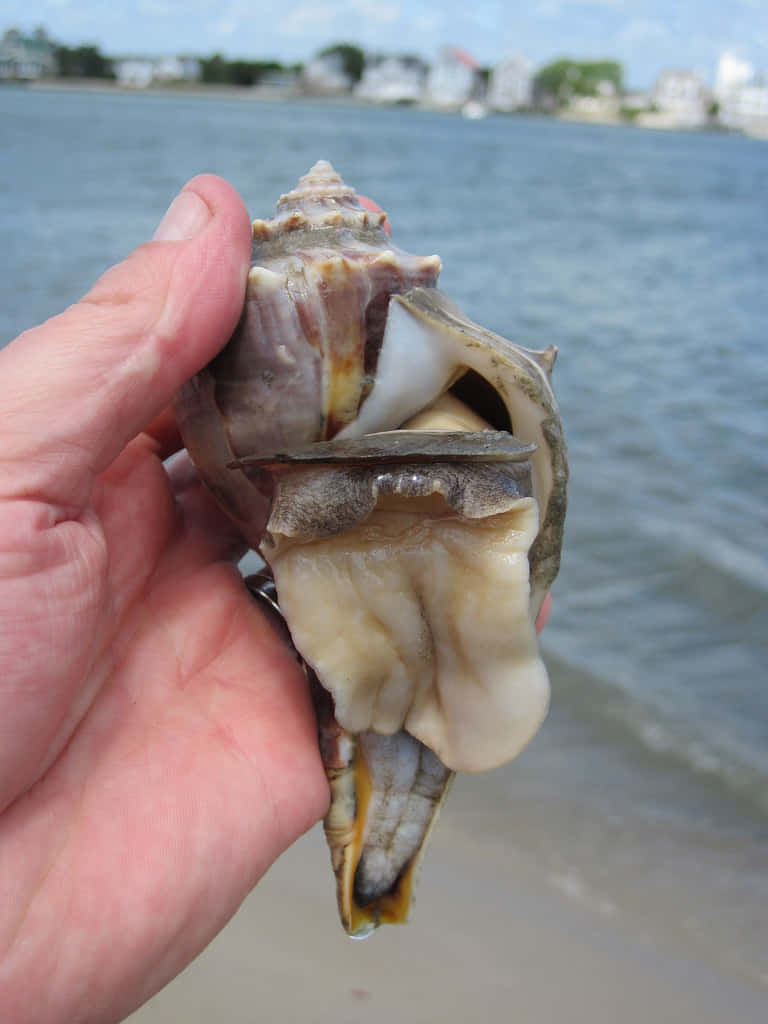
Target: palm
{"type": "Point", "coordinates": [187, 747]}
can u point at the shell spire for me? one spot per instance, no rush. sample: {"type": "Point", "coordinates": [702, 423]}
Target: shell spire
{"type": "Point", "coordinates": [320, 200]}
{"type": "Point", "coordinates": [320, 183]}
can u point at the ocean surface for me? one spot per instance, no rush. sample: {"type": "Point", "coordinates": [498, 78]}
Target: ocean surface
{"type": "Point", "coordinates": [644, 257]}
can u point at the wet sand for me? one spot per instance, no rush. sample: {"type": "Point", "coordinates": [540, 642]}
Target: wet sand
{"type": "Point", "coordinates": [489, 940]}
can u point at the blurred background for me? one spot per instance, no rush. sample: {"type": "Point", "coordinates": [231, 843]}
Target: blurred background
{"type": "Point", "coordinates": [617, 869]}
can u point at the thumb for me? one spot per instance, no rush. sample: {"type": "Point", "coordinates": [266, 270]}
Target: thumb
{"type": "Point", "coordinates": [77, 389]}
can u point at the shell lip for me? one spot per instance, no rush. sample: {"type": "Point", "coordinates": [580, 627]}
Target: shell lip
{"type": "Point", "coordinates": [396, 447]}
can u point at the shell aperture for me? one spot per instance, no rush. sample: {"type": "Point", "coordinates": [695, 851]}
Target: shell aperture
{"type": "Point", "coordinates": [403, 472]}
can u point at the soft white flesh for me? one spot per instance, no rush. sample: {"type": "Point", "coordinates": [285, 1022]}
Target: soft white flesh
{"type": "Point", "coordinates": [420, 619]}
{"type": "Point", "coordinates": [420, 358]}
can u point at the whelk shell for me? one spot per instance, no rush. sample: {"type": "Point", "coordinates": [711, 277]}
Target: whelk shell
{"type": "Point", "coordinates": [403, 472]}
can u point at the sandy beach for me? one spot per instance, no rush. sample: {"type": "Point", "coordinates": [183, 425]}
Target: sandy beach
{"type": "Point", "coordinates": [488, 940]}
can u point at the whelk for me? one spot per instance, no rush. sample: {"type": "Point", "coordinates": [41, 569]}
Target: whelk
{"type": "Point", "coordinates": [403, 473]}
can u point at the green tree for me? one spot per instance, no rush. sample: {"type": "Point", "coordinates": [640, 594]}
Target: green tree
{"type": "Point", "coordinates": [565, 78]}
{"type": "Point", "coordinates": [242, 72]}
{"type": "Point", "coordinates": [83, 62]}
{"type": "Point", "coordinates": [213, 70]}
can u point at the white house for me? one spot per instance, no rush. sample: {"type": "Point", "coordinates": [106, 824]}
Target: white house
{"type": "Point", "coordinates": [392, 80]}
{"type": "Point", "coordinates": [743, 103]}
{"type": "Point", "coordinates": [141, 72]}
{"type": "Point", "coordinates": [511, 84]}
{"type": "Point", "coordinates": [176, 69]}
{"type": "Point", "coordinates": [682, 99]}
{"type": "Point", "coordinates": [134, 72]}
{"type": "Point", "coordinates": [746, 109]}
{"type": "Point", "coordinates": [451, 79]}
{"type": "Point", "coordinates": [26, 57]}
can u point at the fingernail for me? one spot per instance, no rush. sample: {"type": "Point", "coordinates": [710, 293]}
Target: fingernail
{"type": "Point", "coordinates": [185, 217]}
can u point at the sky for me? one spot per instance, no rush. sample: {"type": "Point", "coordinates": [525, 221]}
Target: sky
{"type": "Point", "coordinates": [647, 36]}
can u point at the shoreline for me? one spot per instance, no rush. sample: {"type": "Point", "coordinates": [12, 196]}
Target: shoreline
{"type": "Point", "coordinates": [266, 94]}
{"type": "Point", "coordinates": [195, 90]}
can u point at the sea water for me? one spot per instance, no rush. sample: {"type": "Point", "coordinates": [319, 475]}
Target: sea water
{"type": "Point", "coordinates": [644, 257]}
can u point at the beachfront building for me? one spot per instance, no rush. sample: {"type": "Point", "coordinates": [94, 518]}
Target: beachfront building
{"type": "Point", "coordinates": [681, 99]}
{"type": "Point", "coordinates": [133, 72]}
{"type": "Point", "coordinates": [177, 69]}
{"type": "Point", "coordinates": [511, 85]}
{"type": "Point", "coordinates": [392, 80]}
{"type": "Point", "coordinates": [141, 72]}
{"type": "Point", "coordinates": [26, 57]}
{"type": "Point", "coordinates": [451, 80]}
{"type": "Point", "coordinates": [742, 100]}
{"type": "Point", "coordinates": [746, 109]}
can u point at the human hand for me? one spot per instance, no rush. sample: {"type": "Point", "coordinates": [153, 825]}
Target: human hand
{"type": "Point", "coordinates": [157, 745]}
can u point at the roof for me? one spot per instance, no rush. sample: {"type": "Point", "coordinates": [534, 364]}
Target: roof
{"type": "Point", "coordinates": [462, 56]}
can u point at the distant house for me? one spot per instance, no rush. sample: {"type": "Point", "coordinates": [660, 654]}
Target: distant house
{"type": "Point", "coordinates": [392, 80]}
{"type": "Point", "coordinates": [511, 84]}
{"type": "Point", "coordinates": [681, 99]}
{"type": "Point", "coordinates": [325, 76]}
{"type": "Point", "coordinates": [134, 72]}
{"type": "Point", "coordinates": [452, 79]}
{"type": "Point", "coordinates": [746, 109]}
{"type": "Point", "coordinates": [141, 72]}
{"type": "Point", "coordinates": [742, 101]}
{"type": "Point", "coordinates": [177, 69]}
{"type": "Point", "coordinates": [26, 57]}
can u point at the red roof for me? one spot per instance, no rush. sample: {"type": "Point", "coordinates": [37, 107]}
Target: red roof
{"type": "Point", "coordinates": [463, 57]}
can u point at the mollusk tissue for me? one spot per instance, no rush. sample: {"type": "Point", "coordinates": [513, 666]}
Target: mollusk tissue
{"type": "Point", "coordinates": [403, 472]}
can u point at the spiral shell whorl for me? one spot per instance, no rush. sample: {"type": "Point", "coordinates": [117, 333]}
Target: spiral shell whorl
{"type": "Point", "coordinates": [320, 183]}
{"type": "Point", "coordinates": [320, 200]}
